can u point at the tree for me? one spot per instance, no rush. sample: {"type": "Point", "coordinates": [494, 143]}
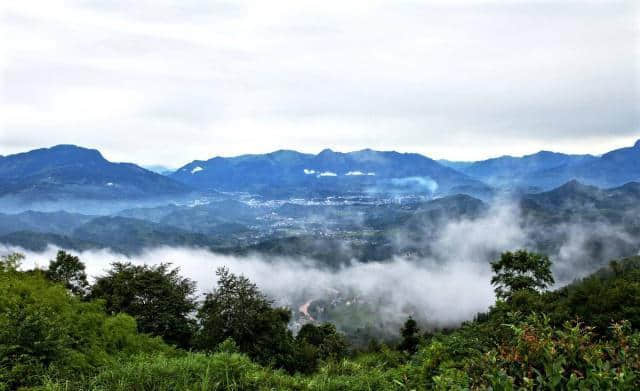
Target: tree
{"type": "Point", "coordinates": [46, 333]}
{"type": "Point", "coordinates": [68, 270]}
{"type": "Point", "coordinates": [237, 309]}
{"type": "Point", "coordinates": [325, 338]}
{"type": "Point", "coordinates": [11, 262]}
{"type": "Point", "coordinates": [160, 300]}
{"type": "Point", "coordinates": [410, 336]}
{"type": "Point", "coordinates": [520, 271]}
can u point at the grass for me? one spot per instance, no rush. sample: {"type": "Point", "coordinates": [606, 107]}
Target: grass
{"type": "Point", "coordinates": [227, 371]}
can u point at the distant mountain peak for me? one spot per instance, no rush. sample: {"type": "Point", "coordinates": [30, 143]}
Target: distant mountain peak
{"type": "Point", "coordinates": [68, 147]}
{"type": "Point", "coordinates": [637, 144]}
{"type": "Point", "coordinates": [574, 183]}
{"type": "Point", "coordinates": [327, 151]}
{"type": "Point", "coordinates": [70, 171]}
{"type": "Point", "coordinates": [576, 186]}
{"type": "Point", "coordinates": [74, 150]}
{"type": "Point", "coordinates": [71, 148]}
{"type": "Point", "coordinates": [284, 152]}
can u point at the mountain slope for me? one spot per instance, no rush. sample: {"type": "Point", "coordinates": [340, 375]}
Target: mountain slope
{"type": "Point", "coordinates": [515, 171]}
{"type": "Point", "coordinates": [62, 223]}
{"type": "Point", "coordinates": [614, 168]}
{"type": "Point", "coordinates": [576, 196]}
{"type": "Point", "coordinates": [290, 173]}
{"type": "Point", "coordinates": [68, 172]}
{"type": "Point", "coordinates": [546, 170]}
{"type": "Point", "coordinates": [131, 235]}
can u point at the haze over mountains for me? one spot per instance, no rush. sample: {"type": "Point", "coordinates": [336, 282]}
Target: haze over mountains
{"type": "Point", "coordinates": [365, 205]}
{"type": "Point", "coordinates": [66, 172]}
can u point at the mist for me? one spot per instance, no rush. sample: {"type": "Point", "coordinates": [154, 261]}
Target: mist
{"type": "Point", "coordinates": [431, 290]}
{"type": "Point", "coordinates": [443, 289]}
{"type": "Point", "coordinates": [15, 204]}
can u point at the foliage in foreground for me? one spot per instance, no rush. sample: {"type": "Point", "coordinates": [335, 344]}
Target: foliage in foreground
{"type": "Point", "coordinates": [536, 357]}
{"type": "Point", "coordinates": [45, 331]}
{"type": "Point", "coordinates": [584, 337]}
{"type": "Point", "coordinates": [156, 296]}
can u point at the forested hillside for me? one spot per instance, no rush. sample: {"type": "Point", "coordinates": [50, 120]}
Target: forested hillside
{"type": "Point", "coordinates": [143, 328]}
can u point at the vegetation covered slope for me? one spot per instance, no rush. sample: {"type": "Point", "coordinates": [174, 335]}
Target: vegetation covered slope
{"type": "Point", "coordinates": [583, 336]}
{"type": "Point", "coordinates": [71, 172]}
{"type": "Point", "coordinates": [545, 170]}
{"type": "Point", "coordinates": [290, 173]}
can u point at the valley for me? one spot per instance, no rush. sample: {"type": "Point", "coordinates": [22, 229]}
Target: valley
{"type": "Point", "coordinates": [330, 223]}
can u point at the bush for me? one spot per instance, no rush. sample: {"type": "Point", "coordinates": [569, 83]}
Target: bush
{"type": "Point", "coordinates": [46, 331]}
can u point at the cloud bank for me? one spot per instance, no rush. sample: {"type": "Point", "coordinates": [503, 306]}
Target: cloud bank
{"type": "Point", "coordinates": [447, 287]}
{"type": "Point", "coordinates": [189, 79]}
{"type": "Point", "coordinates": [432, 290]}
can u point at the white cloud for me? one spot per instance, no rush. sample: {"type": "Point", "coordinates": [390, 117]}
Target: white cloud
{"type": "Point", "coordinates": [327, 173]}
{"type": "Point", "coordinates": [432, 288]}
{"type": "Point", "coordinates": [449, 286]}
{"type": "Point", "coordinates": [309, 172]}
{"type": "Point", "coordinates": [359, 173]}
{"type": "Point", "coordinates": [456, 79]}
{"type": "Point", "coordinates": [196, 169]}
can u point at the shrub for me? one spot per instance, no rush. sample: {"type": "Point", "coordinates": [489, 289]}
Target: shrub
{"type": "Point", "coordinates": [46, 331]}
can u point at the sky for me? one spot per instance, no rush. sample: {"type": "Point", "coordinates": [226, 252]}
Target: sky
{"type": "Point", "coordinates": [170, 81]}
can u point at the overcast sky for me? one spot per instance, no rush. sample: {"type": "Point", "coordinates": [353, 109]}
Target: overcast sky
{"type": "Point", "coordinates": [166, 82]}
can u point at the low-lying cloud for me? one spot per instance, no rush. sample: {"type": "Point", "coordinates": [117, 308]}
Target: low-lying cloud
{"type": "Point", "coordinates": [446, 287]}
{"type": "Point", "coordinates": [444, 294]}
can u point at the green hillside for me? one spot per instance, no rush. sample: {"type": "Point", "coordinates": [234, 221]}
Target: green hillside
{"type": "Point", "coordinates": [58, 333]}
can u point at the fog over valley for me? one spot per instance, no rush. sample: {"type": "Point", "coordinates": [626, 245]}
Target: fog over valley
{"type": "Point", "coordinates": [383, 260]}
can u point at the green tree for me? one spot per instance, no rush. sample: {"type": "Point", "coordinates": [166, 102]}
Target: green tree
{"type": "Point", "coordinates": [327, 342]}
{"type": "Point", "coordinates": [158, 297]}
{"type": "Point", "coordinates": [47, 333]}
{"type": "Point", "coordinates": [410, 336]}
{"type": "Point", "coordinates": [610, 295]}
{"type": "Point", "coordinates": [520, 271]}
{"type": "Point", "coordinates": [10, 262]}
{"type": "Point", "coordinates": [237, 309]}
{"type": "Point", "coordinates": [68, 270]}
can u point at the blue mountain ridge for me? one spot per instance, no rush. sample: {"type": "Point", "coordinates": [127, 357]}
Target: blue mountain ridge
{"type": "Point", "coordinates": [68, 171]}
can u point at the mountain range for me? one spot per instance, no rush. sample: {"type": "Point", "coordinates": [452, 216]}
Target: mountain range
{"type": "Point", "coordinates": [545, 170]}
{"type": "Point", "coordinates": [290, 173]}
{"type": "Point", "coordinates": [331, 206]}
{"type": "Point", "coordinates": [67, 172]}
